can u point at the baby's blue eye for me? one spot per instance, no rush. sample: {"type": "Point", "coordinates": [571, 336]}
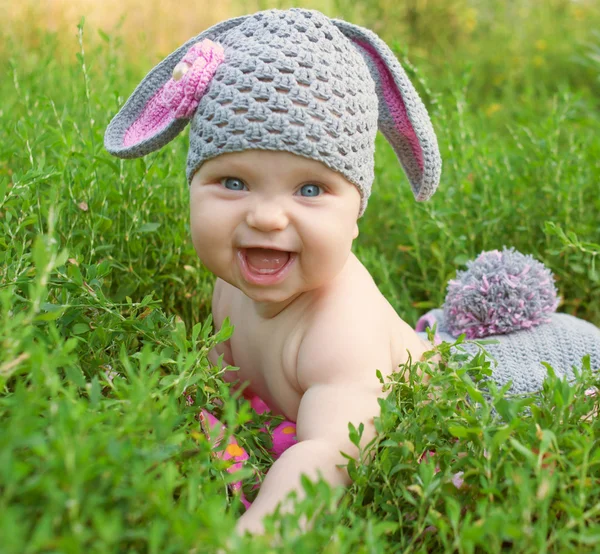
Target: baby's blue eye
{"type": "Point", "coordinates": [310, 190]}
{"type": "Point", "coordinates": [232, 183]}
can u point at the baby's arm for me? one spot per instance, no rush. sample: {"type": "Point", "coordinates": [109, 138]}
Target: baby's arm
{"type": "Point", "coordinates": [335, 396]}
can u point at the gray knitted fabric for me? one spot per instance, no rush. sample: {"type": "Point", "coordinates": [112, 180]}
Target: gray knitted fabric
{"type": "Point", "coordinates": [293, 81]}
{"type": "Point", "coordinates": [518, 356]}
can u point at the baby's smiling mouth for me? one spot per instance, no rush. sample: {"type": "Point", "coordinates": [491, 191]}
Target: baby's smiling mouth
{"type": "Point", "coordinates": [266, 261]}
{"type": "Point", "coordinates": [265, 266]}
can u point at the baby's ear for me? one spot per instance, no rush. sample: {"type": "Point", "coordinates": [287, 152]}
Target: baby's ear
{"type": "Point", "coordinates": [403, 119]}
{"type": "Point", "coordinates": [165, 101]}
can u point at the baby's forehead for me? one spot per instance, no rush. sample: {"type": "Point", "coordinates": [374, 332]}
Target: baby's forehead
{"type": "Point", "coordinates": [261, 163]}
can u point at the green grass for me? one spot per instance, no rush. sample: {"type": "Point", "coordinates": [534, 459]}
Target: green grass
{"type": "Point", "coordinates": [105, 308]}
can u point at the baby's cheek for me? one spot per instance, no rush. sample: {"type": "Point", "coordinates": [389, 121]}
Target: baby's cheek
{"type": "Point", "coordinates": [332, 247]}
{"type": "Point", "coordinates": [197, 231]}
{"type": "Point", "coordinates": [206, 235]}
{"type": "Point", "coordinates": [208, 246]}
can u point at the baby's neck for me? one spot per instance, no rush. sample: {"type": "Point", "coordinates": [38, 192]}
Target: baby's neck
{"type": "Point", "coordinates": [270, 310]}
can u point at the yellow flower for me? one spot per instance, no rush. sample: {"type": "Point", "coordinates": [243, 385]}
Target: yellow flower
{"type": "Point", "coordinates": [234, 450]}
{"type": "Point", "coordinates": [492, 109]}
{"type": "Point", "coordinates": [541, 45]}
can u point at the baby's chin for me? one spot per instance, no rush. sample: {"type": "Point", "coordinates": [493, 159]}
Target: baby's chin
{"type": "Point", "coordinates": [269, 295]}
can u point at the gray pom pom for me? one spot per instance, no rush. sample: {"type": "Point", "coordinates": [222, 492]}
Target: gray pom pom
{"type": "Point", "coordinates": [499, 292]}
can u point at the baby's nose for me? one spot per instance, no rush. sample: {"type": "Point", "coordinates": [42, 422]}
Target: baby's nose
{"type": "Point", "coordinates": [267, 215]}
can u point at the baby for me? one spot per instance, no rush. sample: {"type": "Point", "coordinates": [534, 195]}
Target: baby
{"type": "Point", "coordinates": [284, 108]}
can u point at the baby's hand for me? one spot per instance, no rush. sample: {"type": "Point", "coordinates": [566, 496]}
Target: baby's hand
{"type": "Point", "coordinates": [250, 523]}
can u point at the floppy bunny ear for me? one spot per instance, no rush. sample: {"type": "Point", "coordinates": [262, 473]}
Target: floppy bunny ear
{"type": "Point", "coordinates": [403, 119]}
{"type": "Point", "coordinates": [166, 99]}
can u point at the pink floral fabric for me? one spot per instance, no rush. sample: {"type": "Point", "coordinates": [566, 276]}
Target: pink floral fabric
{"type": "Point", "coordinates": [283, 436]}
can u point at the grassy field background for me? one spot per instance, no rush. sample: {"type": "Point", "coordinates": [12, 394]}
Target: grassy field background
{"type": "Point", "coordinates": [104, 305]}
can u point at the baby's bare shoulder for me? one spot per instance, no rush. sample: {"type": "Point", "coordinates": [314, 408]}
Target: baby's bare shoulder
{"type": "Point", "coordinates": [353, 332]}
{"type": "Point", "coordinates": [355, 305]}
{"type": "Point", "coordinates": [348, 337]}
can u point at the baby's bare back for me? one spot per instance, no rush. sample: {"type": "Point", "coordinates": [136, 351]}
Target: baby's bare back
{"type": "Point", "coordinates": [349, 319]}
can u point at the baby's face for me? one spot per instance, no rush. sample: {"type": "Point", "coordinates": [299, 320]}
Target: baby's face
{"type": "Point", "coordinates": [272, 224]}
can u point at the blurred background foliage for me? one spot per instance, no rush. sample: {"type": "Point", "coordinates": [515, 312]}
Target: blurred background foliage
{"type": "Point", "coordinates": [513, 46]}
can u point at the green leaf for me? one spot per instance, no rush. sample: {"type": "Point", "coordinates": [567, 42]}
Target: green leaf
{"type": "Point", "coordinates": [458, 431]}
{"type": "Point", "coordinates": [61, 258]}
{"type": "Point", "coordinates": [526, 452]}
{"type": "Point", "coordinates": [75, 375]}
{"type": "Point", "coordinates": [74, 273]}
{"type": "Point", "coordinates": [40, 254]}
{"type": "Point", "coordinates": [80, 328]}
{"type": "Point", "coordinates": [355, 434]}
{"type": "Point", "coordinates": [103, 36]}
{"type": "Point", "coordinates": [226, 331]}
{"type": "Point", "coordinates": [95, 392]}
{"type": "Point", "coordinates": [148, 228]}
{"type": "Point", "coordinates": [50, 312]}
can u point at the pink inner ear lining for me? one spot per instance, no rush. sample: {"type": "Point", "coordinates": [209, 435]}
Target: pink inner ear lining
{"type": "Point", "coordinates": [153, 119]}
{"type": "Point", "coordinates": [177, 99]}
{"type": "Point", "coordinates": [394, 101]}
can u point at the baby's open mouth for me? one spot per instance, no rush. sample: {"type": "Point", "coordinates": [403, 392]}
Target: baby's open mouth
{"type": "Point", "coordinates": [266, 261]}
{"type": "Point", "coordinates": [265, 266]}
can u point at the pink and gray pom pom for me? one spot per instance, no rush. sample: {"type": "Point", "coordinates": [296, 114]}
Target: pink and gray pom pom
{"type": "Point", "coordinates": [500, 292]}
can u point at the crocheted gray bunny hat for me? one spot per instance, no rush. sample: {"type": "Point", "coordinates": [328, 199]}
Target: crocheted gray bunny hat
{"type": "Point", "coordinates": [293, 81]}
